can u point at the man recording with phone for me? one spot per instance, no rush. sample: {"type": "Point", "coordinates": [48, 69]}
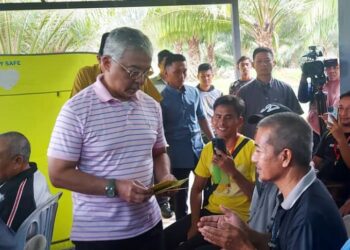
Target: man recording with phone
{"type": "Point", "coordinates": [331, 89]}
{"type": "Point", "coordinates": [332, 157]}
{"type": "Point", "coordinates": [226, 161]}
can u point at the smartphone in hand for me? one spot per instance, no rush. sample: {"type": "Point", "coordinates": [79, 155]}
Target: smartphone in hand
{"type": "Point", "coordinates": [219, 143]}
{"type": "Point", "coordinates": [218, 175]}
{"type": "Point", "coordinates": [332, 113]}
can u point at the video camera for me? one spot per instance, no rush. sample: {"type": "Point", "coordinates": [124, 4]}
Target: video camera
{"type": "Point", "coordinates": [314, 65]}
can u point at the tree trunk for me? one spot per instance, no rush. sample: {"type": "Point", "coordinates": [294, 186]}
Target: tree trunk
{"type": "Point", "coordinates": [211, 54]}
{"type": "Point", "coordinates": [194, 58]}
{"type": "Point", "coordinates": [263, 35]}
{"type": "Point", "coordinates": [178, 48]}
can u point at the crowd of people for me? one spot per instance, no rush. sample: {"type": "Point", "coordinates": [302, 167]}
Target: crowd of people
{"type": "Point", "coordinates": [264, 177]}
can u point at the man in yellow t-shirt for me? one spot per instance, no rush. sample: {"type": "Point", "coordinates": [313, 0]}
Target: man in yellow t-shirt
{"type": "Point", "coordinates": [87, 76]}
{"type": "Point", "coordinates": [234, 177]}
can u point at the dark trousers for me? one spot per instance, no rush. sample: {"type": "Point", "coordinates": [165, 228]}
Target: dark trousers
{"type": "Point", "coordinates": [150, 240]}
{"type": "Point", "coordinates": [316, 140]}
{"type": "Point", "coordinates": [175, 236]}
{"type": "Point", "coordinates": [180, 198]}
{"type": "Point", "coordinates": [162, 200]}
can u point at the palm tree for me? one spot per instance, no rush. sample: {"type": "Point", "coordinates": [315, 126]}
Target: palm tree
{"type": "Point", "coordinates": [30, 32]}
{"type": "Point", "coordinates": [261, 19]}
{"type": "Point", "coordinates": [24, 32]}
{"type": "Point", "coordinates": [321, 25]}
{"type": "Point", "coordinates": [187, 28]}
{"type": "Point", "coordinates": [287, 26]}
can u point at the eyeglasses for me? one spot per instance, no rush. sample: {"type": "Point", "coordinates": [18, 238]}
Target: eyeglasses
{"type": "Point", "coordinates": [135, 74]}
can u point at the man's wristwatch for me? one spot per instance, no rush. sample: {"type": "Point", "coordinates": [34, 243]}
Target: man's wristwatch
{"type": "Point", "coordinates": [110, 188]}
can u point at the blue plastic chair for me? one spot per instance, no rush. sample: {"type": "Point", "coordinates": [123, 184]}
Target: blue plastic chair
{"type": "Point", "coordinates": [41, 221]}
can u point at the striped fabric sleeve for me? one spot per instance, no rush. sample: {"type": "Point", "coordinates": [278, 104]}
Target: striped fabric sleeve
{"type": "Point", "coordinates": [66, 138]}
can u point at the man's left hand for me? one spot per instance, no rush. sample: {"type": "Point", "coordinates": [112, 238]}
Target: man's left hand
{"type": "Point", "coordinates": [335, 128]}
{"type": "Point", "coordinates": [224, 161]}
{"type": "Point", "coordinates": [227, 236]}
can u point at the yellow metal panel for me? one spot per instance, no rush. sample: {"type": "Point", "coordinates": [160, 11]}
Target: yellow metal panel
{"type": "Point", "coordinates": [33, 89]}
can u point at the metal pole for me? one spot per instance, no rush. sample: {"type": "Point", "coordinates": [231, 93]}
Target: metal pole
{"type": "Point", "coordinates": [236, 34]}
{"type": "Point", "coordinates": [344, 44]}
{"type": "Point", "coordinates": [44, 5]}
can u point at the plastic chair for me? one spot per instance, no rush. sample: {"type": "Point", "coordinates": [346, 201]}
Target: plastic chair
{"type": "Point", "coordinates": [7, 237]}
{"type": "Point", "coordinates": [37, 242]}
{"type": "Point", "coordinates": [41, 221]}
{"type": "Point", "coordinates": [346, 220]}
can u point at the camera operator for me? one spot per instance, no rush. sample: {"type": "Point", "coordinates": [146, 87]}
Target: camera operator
{"type": "Point", "coordinates": [331, 89]}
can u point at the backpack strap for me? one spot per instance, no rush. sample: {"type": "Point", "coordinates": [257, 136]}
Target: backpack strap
{"type": "Point", "coordinates": [239, 147]}
{"type": "Point", "coordinates": [209, 189]}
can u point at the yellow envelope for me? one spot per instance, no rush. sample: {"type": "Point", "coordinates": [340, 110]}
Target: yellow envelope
{"type": "Point", "coordinates": [168, 186]}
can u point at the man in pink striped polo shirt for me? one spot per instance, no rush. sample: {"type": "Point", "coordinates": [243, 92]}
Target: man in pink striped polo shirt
{"type": "Point", "coordinates": [108, 146]}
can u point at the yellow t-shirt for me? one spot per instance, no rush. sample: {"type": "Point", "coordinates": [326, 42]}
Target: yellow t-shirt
{"type": "Point", "coordinates": [151, 90]}
{"type": "Point", "coordinates": [87, 76]}
{"type": "Point", "coordinates": [230, 194]}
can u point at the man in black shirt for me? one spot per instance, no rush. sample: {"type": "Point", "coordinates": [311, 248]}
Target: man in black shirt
{"type": "Point", "coordinates": [332, 157]}
{"type": "Point", "coordinates": [265, 89]}
{"type": "Point", "coordinates": [22, 186]}
{"type": "Point", "coordinates": [244, 65]}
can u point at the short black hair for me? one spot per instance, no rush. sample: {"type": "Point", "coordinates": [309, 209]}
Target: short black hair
{"type": "Point", "coordinates": [262, 49]}
{"type": "Point", "coordinates": [243, 58]}
{"type": "Point", "coordinates": [174, 58]}
{"type": "Point", "coordinates": [346, 94]}
{"type": "Point", "coordinates": [233, 101]}
{"type": "Point", "coordinates": [163, 54]}
{"type": "Point", "coordinates": [102, 44]}
{"type": "Point", "coordinates": [204, 67]}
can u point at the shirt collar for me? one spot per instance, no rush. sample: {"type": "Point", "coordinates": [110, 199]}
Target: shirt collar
{"type": "Point", "coordinates": [299, 189]}
{"type": "Point", "coordinates": [104, 95]}
{"type": "Point", "coordinates": [181, 90]}
{"type": "Point", "coordinates": [210, 89]}
{"type": "Point", "coordinates": [263, 84]}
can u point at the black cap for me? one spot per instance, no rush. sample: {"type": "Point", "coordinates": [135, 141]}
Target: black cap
{"type": "Point", "coordinates": [269, 109]}
{"type": "Point", "coordinates": [330, 62]}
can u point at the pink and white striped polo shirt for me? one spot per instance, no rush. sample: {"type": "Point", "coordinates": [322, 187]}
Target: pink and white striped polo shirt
{"type": "Point", "coordinates": [112, 139]}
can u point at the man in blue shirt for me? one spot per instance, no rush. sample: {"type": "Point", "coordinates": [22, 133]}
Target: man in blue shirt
{"type": "Point", "coordinates": [183, 118]}
{"type": "Point", "coordinates": [159, 82]}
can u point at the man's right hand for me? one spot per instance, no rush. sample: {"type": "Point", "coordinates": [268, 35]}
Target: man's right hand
{"type": "Point", "coordinates": [133, 191]}
{"type": "Point", "coordinates": [345, 209]}
{"type": "Point", "coordinates": [224, 234]}
{"type": "Point", "coordinates": [192, 231]}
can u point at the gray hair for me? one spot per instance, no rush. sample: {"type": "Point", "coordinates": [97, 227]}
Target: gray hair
{"type": "Point", "coordinates": [18, 144]}
{"type": "Point", "coordinates": [291, 131]}
{"type": "Point", "coordinates": [121, 39]}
